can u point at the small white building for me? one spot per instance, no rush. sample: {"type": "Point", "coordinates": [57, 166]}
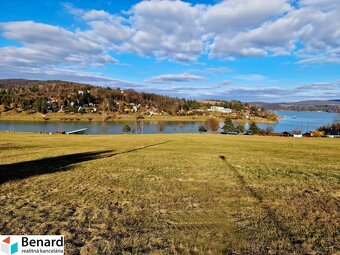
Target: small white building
{"type": "Point", "coordinates": [220, 109]}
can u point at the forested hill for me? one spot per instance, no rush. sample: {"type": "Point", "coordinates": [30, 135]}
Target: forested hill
{"type": "Point", "coordinates": [55, 95]}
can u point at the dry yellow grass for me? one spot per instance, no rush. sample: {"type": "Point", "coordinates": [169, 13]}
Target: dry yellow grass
{"type": "Point", "coordinates": [173, 194]}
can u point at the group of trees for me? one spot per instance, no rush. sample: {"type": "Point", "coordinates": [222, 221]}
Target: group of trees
{"type": "Point", "coordinates": [36, 95]}
{"type": "Point", "coordinates": [229, 127]}
{"type": "Point", "coordinates": [53, 96]}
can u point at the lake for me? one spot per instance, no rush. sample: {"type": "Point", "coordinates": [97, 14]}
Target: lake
{"type": "Point", "coordinates": [304, 121]}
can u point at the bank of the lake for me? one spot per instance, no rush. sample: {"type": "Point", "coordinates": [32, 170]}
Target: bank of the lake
{"type": "Point", "coordinates": [304, 121]}
{"type": "Point", "coordinates": [62, 117]}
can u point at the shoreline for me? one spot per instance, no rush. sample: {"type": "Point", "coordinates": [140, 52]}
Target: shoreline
{"type": "Point", "coordinates": [88, 118]}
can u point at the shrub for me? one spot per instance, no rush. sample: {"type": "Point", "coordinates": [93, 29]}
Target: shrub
{"type": "Point", "coordinates": [213, 124]}
{"type": "Point", "coordinates": [202, 129]}
{"type": "Point", "coordinates": [126, 129]}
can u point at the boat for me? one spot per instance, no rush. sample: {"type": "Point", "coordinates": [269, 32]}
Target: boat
{"type": "Point", "coordinates": [78, 131]}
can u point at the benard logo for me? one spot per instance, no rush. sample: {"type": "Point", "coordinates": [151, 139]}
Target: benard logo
{"type": "Point", "coordinates": [7, 247]}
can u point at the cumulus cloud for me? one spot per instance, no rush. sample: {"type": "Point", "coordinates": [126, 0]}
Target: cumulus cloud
{"type": "Point", "coordinates": [322, 90]}
{"type": "Point", "coordinates": [53, 73]}
{"type": "Point", "coordinates": [177, 31]}
{"type": "Point", "coordinates": [51, 45]}
{"type": "Point", "coordinates": [181, 31]}
{"type": "Point", "coordinates": [311, 32]}
{"type": "Point", "coordinates": [229, 91]}
{"type": "Point", "coordinates": [166, 29]}
{"type": "Point", "coordinates": [175, 78]}
{"type": "Point", "coordinates": [231, 16]}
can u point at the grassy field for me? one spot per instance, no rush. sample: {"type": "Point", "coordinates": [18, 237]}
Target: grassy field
{"type": "Point", "coordinates": [173, 194]}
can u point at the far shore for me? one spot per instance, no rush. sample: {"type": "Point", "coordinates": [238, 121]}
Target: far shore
{"type": "Point", "coordinates": [62, 117]}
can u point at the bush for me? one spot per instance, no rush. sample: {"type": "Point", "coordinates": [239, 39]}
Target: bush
{"type": "Point", "coordinates": [202, 129]}
{"type": "Point", "coordinates": [266, 131]}
{"type": "Point", "coordinates": [213, 124]}
{"type": "Point", "coordinates": [126, 129]}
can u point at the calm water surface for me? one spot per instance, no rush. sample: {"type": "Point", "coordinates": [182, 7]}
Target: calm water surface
{"type": "Point", "coordinates": [304, 121]}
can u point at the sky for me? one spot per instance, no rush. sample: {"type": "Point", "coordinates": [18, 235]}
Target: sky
{"type": "Point", "coordinates": [248, 50]}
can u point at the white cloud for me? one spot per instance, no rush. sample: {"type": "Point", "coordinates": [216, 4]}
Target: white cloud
{"type": "Point", "coordinates": [180, 31]}
{"type": "Point", "coordinates": [315, 31]}
{"type": "Point", "coordinates": [251, 77]}
{"type": "Point", "coordinates": [231, 16]}
{"type": "Point", "coordinates": [321, 90]}
{"type": "Point", "coordinates": [213, 70]}
{"type": "Point", "coordinates": [174, 78]}
{"type": "Point", "coordinates": [166, 29]}
{"type": "Point", "coordinates": [51, 45]}
{"type": "Point", "coordinates": [52, 73]}
{"type": "Point", "coordinates": [96, 14]}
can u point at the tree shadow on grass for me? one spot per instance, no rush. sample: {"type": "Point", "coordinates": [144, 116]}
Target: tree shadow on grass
{"type": "Point", "coordinates": [22, 170]}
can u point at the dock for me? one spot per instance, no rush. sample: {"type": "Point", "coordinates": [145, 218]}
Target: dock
{"type": "Point", "coordinates": [78, 131]}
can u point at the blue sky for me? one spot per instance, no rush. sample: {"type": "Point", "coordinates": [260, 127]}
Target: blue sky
{"type": "Point", "coordinates": [249, 50]}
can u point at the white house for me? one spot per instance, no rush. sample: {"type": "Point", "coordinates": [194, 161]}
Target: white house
{"type": "Point", "coordinates": [220, 109]}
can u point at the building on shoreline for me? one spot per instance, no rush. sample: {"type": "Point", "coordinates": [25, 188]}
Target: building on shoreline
{"type": "Point", "coordinates": [220, 109]}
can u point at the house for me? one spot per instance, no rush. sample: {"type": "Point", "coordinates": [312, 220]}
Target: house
{"type": "Point", "coordinates": [220, 109]}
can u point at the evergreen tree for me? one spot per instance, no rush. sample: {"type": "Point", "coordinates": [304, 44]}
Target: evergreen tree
{"type": "Point", "coordinates": [253, 128]}
{"type": "Point", "coordinates": [228, 125]}
{"type": "Point", "coordinates": [240, 128]}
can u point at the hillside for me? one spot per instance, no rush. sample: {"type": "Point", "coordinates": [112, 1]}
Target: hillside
{"type": "Point", "coordinates": [69, 97]}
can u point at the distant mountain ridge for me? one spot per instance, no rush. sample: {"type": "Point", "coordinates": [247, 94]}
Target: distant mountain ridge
{"type": "Point", "coordinates": [307, 105]}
